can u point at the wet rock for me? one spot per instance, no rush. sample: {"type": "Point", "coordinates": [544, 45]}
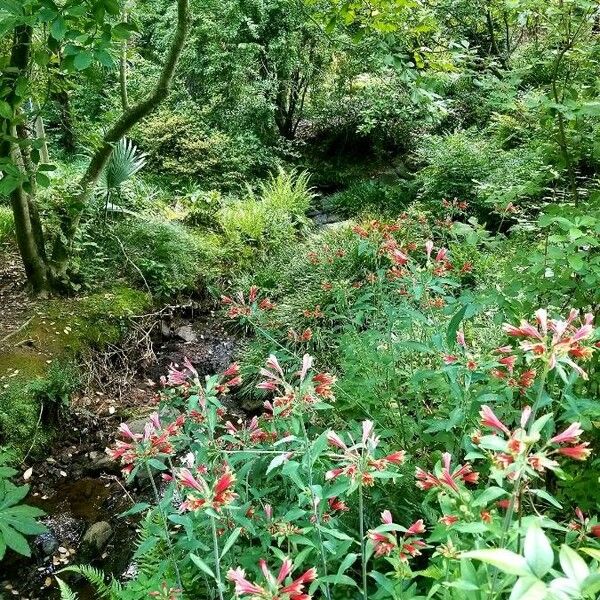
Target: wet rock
{"type": "Point", "coordinates": [101, 463]}
{"type": "Point", "coordinates": [46, 543]}
{"type": "Point", "coordinates": [186, 333]}
{"type": "Point", "coordinates": [95, 539]}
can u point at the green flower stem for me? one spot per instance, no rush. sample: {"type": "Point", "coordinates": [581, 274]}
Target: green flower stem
{"type": "Point", "coordinates": [363, 541]}
{"type": "Point", "coordinates": [217, 557]}
{"type": "Point", "coordinates": [314, 507]}
{"type": "Point", "coordinates": [163, 518]}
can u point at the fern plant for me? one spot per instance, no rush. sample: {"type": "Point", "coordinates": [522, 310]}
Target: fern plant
{"type": "Point", "coordinates": [111, 590]}
{"type": "Point", "coordinates": [16, 520]}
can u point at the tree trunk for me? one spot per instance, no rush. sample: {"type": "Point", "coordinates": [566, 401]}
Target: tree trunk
{"type": "Point", "coordinates": [130, 117]}
{"type": "Point", "coordinates": [27, 224]}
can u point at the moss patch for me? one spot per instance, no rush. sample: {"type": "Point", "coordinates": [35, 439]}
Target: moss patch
{"type": "Point", "coordinates": [37, 366]}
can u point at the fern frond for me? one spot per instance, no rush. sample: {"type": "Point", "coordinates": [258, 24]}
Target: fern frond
{"type": "Point", "coordinates": [66, 593]}
{"type": "Point", "coordinates": [105, 591]}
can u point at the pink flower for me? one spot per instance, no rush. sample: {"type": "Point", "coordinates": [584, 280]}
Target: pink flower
{"type": "Point", "coordinates": [367, 430]}
{"type": "Point", "coordinates": [187, 480]}
{"type": "Point", "coordinates": [416, 527]}
{"type": "Point", "coordinates": [449, 359]}
{"type": "Point", "coordinates": [396, 458]}
{"type": "Point", "coordinates": [460, 339]}
{"type": "Point", "coordinates": [508, 362]}
{"type": "Point", "coordinates": [277, 589]}
{"type": "Point", "coordinates": [386, 517]}
{"type": "Point", "coordinates": [489, 419]}
{"type": "Point", "coordinates": [525, 416]}
{"type": "Point", "coordinates": [127, 433]}
{"type": "Point", "coordinates": [441, 255]}
{"type": "Point", "coordinates": [335, 440]}
{"type": "Point", "coordinates": [232, 370]}
{"type": "Point", "coordinates": [273, 364]}
{"type": "Point", "coordinates": [242, 585]}
{"type": "Point", "coordinates": [579, 452]}
{"type": "Point", "coordinates": [569, 435]}
{"type": "Point", "coordinates": [428, 248]}
{"type": "Point", "coordinates": [307, 362]}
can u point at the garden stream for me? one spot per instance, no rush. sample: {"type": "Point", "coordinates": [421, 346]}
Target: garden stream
{"type": "Point", "coordinates": [81, 489]}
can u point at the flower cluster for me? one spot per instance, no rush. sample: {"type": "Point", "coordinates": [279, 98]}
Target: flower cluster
{"type": "Point", "coordinates": [555, 341]}
{"type": "Point", "coordinates": [250, 433]}
{"type": "Point", "coordinates": [358, 461]}
{"type": "Point", "coordinates": [445, 478]}
{"type": "Point", "coordinates": [239, 306]}
{"type": "Point", "coordinates": [203, 495]}
{"type": "Point", "coordinates": [385, 541]}
{"type": "Point", "coordinates": [228, 379]}
{"type": "Point", "coordinates": [308, 392]}
{"type": "Point", "coordinates": [280, 587]}
{"type": "Point", "coordinates": [514, 452]}
{"type": "Point", "coordinates": [140, 447]}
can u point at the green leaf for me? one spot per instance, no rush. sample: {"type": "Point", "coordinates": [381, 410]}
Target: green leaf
{"type": "Point", "coordinates": [14, 540]}
{"type": "Point", "coordinates": [572, 564]}
{"type": "Point", "coordinates": [453, 326]}
{"type": "Point", "coordinates": [505, 560]}
{"type": "Point", "coordinates": [489, 495]}
{"type": "Point", "coordinates": [82, 60]}
{"type": "Point", "coordinates": [202, 565]}
{"type": "Point", "coordinates": [538, 551]}
{"type": "Point", "coordinates": [347, 563]}
{"type": "Point", "coordinates": [546, 496]}
{"type": "Point", "coordinates": [58, 28]}
{"type": "Point", "coordinates": [593, 552]}
{"type": "Point", "coordinates": [5, 110]}
{"type": "Point", "coordinates": [529, 588]}
{"type": "Point", "coordinates": [231, 541]}
{"type": "Point", "coordinates": [277, 461]}
{"type": "Point", "coordinates": [135, 509]}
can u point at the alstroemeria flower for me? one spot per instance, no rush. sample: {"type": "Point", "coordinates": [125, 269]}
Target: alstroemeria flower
{"type": "Point", "coordinates": [274, 587]}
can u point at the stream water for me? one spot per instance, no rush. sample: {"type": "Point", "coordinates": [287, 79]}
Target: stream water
{"type": "Point", "coordinates": [81, 490]}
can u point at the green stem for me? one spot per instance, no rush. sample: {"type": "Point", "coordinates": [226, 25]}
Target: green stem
{"type": "Point", "coordinates": [314, 507]}
{"type": "Point", "coordinates": [363, 541]}
{"type": "Point", "coordinates": [163, 518]}
{"type": "Point", "coordinates": [517, 490]}
{"type": "Point", "coordinates": [217, 557]}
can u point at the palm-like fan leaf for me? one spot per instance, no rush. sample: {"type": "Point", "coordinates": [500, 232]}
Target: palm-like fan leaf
{"type": "Point", "coordinates": [125, 161]}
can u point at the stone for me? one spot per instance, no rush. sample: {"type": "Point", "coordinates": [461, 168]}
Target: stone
{"type": "Point", "coordinates": [186, 333]}
{"type": "Point", "coordinates": [95, 539]}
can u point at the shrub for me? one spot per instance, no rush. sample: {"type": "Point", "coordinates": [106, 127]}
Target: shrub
{"type": "Point", "coordinates": [165, 257]}
{"type": "Point", "coordinates": [371, 195]}
{"type": "Point", "coordinates": [453, 164]}
{"type": "Point", "coordinates": [183, 146]}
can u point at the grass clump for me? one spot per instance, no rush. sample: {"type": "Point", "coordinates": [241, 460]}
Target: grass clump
{"type": "Point", "coordinates": [30, 407]}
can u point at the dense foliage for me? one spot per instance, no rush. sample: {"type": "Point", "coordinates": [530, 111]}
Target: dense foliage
{"type": "Point", "coordinates": [395, 207]}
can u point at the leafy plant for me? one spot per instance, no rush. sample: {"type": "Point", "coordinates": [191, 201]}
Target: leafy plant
{"type": "Point", "coordinates": [17, 520]}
